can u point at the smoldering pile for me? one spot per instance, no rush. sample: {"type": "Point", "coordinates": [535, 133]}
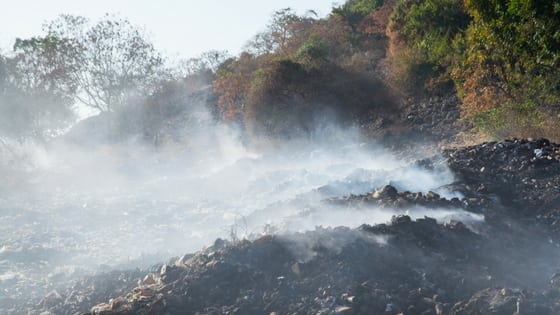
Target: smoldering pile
{"type": "Point", "coordinates": [507, 264]}
{"type": "Point", "coordinates": [524, 175]}
{"type": "Point", "coordinates": [423, 268]}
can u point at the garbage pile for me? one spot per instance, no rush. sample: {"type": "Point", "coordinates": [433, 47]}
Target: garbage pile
{"type": "Point", "coordinates": [522, 176]}
{"type": "Point", "coordinates": [507, 264]}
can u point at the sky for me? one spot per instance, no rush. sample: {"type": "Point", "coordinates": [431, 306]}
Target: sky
{"type": "Point", "coordinates": [178, 28]}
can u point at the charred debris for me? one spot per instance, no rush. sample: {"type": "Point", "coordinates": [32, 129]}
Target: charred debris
{"type": "Point", "coordinates": [506, 264]}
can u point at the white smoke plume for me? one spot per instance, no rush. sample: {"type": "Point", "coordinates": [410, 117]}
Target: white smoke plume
{"type": "Point", "coordinates": [78, 207]}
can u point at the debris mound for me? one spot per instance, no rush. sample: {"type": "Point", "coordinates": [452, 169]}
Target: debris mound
{"type": "Point", "coordinates": [508, 264]}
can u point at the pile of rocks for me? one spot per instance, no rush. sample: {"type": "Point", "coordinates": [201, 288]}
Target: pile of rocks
{"type": "Point", "coordinates": [389, 197]}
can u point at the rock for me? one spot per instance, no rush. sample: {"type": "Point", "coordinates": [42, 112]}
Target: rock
{"type": "Point", "coordinates": [387, 191]}
{"type": "Point", "coordinates": [148, 280]}
{"type": "Point", "coordinates": [400, 219]}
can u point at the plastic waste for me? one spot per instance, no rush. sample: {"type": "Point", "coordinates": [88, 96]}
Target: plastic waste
{"type": "Point", "coordinates": [538, 152]}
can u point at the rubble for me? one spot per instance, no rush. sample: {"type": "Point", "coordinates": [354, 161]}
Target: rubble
{"type": "Point", "coordinates": [424, 268]}
{"type": "Point", "coordinates": [507, 266]}
{"type": "Point", "coordinates": [389, 197]}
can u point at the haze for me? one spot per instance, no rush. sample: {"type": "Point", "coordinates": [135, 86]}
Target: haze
{"type": "Point", "coordinates": [178, 28]}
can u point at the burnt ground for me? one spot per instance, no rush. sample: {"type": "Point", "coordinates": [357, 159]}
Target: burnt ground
{"type": "Point", "coordinates": [509, 263]}
{"type": "Point", "coordinates": [430, 120]}
{"type": "Point", "coordinates": [505, 264]}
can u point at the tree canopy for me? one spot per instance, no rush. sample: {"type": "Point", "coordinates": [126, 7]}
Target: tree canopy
{"type": "Point", "coordinates": [113, 59]}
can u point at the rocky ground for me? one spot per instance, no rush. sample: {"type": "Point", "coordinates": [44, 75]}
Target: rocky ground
{"type": "Point", "coordinates": [429, 121]}
{"type": "Point", "coordinates": [502, 259]}
{"type": "Point", "coordinates": [506, 264]}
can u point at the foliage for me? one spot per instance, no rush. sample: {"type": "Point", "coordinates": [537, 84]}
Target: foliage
{"type": "Point", "coordinates": [284, 25]}
{"type": "Point", "coordinates": [44, 64]}
{"type": "Point", "coordinates": [332, 37]}
{"type": "Point", "coordinates": [356, 10]}
{"type": "Point", "coordinates": [313, 52]}
{"type": "Point", "coordinates": [302, 39]}
{"type": "Point", "coordinates": [207, 62]}
{"type": "Point", "coordinates": [281, 32]}
{"type": "Point", "coordinates": [34, 97]}
{"type": "Point", "coordinates": [511, 63]}
{"type": "Point", "coordinates": [233, 83]}
{"type": "Point", "coordinates": [198, 72]}
{"type": "Point", "coordinates": [266, 109]}
{"type": "Point", "coordinates": [429, 29]}
{"type": "Point", "coordinates": [295, 71]}
{"type": "Point", "coordinates": [164, 116]}
{"type": "Point", "coordinates": [289, 99]}
{"type": "Point", "coordinates": [113, 60]}
{"type": "Point", "coordinates": [103, 65]}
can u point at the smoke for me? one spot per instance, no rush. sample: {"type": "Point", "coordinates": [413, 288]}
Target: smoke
{"type": "Point", "coordinates": [78, 207]}
{"type": "Point", "coordinates": [306, 246]}
{"type": "Point", "coordinates": [137, 200]}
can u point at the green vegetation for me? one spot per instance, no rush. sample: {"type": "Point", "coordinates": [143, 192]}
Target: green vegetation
{"type": "Point", "coordinates": [356, 10]}
{"type": "Point", "coordinates": [501, 56]}
{"type": "Point", "coordinates": [510, 67]}
{"type": "Point", "coordinates": [429, 28]}
{"type": "Point", "coordinates": [302, 70]}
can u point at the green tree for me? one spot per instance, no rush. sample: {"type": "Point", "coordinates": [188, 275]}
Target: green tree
{"type": "Point", "coordinates": [44, 64]}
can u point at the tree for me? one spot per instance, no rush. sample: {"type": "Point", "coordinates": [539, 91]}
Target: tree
{"type": "Point", "coordinates": [44, 64]}
{"type": "Point", "coordinates": [233, 83]}
{"type": "Point", "coordinates": [354, 11]}
{"type": "Point", "coordinates": [114, 60]}
{"type": "Point", "coordinates": [35, 90]}
{"type": "Point", "coordinates": [283, 27]}
{"type": "Point", "coordinates": [262, 44]}
{"type": "Point", "coordinates": [207, 62]}
{"type": "Point", "coordinates": [428, 29]}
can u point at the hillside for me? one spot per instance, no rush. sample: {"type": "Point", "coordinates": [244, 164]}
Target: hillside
{"type": "Point", "coordinates": [417, 50]}
{"type": "Point", "coordinates": [395, 157]}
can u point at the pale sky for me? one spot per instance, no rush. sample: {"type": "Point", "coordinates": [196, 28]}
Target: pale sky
{"type": "Point", "coordinates": [179, 29]}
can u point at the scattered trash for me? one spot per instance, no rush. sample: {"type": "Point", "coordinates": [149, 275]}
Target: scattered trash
{"type": "Point", "coordinates": [538, 152]}
{"type": "Point", "coordinates": [423, 267]}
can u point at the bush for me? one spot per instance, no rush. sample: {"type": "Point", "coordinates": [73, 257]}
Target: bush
{"type": "Point", "coordinates": [313, 52]}
{"type": "Point", "coordinates": [355, 10]}
{"type": "Point", "coordinates": [429, 29]}
{"type": "Point", "coordinates": [288, 100]}
{"type": "Point", "coordinates": [510, 66]}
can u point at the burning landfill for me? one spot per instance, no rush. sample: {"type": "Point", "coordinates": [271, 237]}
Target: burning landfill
{"type": "Point", "coordinates": [487, 242]}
